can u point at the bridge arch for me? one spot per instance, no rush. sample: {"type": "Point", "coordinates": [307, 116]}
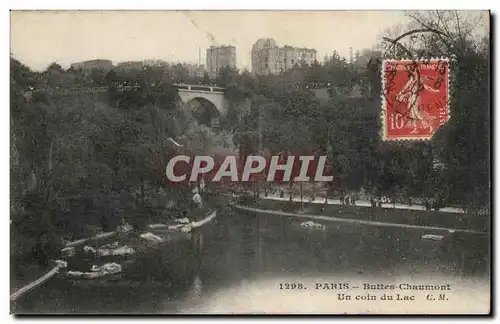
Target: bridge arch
{"type": "Point", "coordinates": [204, 111]}
{"type": "Point", "coordinates": [214, 95]}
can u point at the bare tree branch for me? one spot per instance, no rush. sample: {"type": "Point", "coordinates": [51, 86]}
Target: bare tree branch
{"type": "Point", "coordinates": [430, 27]}
{"type": "Point", "coordinates": [458, 23]}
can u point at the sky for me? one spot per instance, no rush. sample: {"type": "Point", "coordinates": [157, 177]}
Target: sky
{"type": "Point", "coordinates": [39, 38]}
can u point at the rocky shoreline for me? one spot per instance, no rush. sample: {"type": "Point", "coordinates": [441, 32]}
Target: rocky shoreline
{"type": "Point", "coordinates": [108, 255]}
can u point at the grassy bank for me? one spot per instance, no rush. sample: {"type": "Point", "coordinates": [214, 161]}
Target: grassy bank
{"type": "Point", "coordinates": [390, 215]}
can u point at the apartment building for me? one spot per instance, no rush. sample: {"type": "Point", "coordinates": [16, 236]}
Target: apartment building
{"type": "Point", "coordinates": [219, 57]}
{"type": "Point", "coordinates": [93, 64]}
{"type": "Point", "coordinates": [269, 58]}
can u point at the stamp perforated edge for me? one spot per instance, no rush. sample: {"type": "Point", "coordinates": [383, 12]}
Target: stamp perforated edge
{"type": "Point", "coordinates": [383, 101]}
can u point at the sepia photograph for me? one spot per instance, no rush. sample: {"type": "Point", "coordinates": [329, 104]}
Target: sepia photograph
{"type": "Point", "coordinates": [196, 162]}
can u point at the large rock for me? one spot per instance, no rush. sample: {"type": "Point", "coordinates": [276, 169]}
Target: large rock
{"type": "Point", "coordinates": [123, 250]}
{"type": "Point", "coordinates": [111, 268]}
{"type": "Point", "coordinates": [104, 252]}
{"type": "Point", "coordinates": [184, 220]}
{"type": "Point", "coordinates": [61, 264]}
{"type": "Point", "coordinates": [151, 238]}
{"type": "Point", "coordinates": [432, 237]}
{"type": "Point", "coordinates": [75, 273]}
{"type": "Point", "coordinates": [68, 251]}
{"type": "Point", "coordinates": [185, 229]}
{"type": "Point", "coordinates": [97, 272]}
{"type": "Point", "coordinates": [307, 224]}
{"type": "Point", "coordinates": [313, 225]}
{"type": "Point", "coordinates": [89, 249]}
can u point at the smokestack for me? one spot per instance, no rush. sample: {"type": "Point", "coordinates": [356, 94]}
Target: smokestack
{"type": "Point", "coordinates": [199, 56]}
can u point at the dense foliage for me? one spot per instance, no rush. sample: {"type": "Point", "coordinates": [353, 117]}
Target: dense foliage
{"type": "Point", "coordinates": [89, 157]}
{"type": "Point", "coordinates": [81, 156]}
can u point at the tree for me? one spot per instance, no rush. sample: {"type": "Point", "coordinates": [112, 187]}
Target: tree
{"type": "Point", "coordinates": [463, 143]}
{"type": "Point", "coordinates": [77, 156]}
{"type": "Point", "coordinates": [206, 78]}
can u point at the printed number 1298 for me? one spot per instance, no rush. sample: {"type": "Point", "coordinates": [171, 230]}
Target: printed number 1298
{"type": "Point", "coordinates": [291, 286]}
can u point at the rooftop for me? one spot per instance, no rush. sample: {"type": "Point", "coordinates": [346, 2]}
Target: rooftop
{"type": "Point", "coordinates": [223, 46]}
{"type": "Point", "coordinates": [94, 60]}
{"type": "Point", "coordinates": [271, 43]}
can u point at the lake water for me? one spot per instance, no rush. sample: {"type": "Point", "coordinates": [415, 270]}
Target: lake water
{"type": "Point", "coordinates": [244, 263]}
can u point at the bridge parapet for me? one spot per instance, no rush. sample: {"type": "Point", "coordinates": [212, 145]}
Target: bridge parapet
{"type": "Point", "coordinates": [198, 88]}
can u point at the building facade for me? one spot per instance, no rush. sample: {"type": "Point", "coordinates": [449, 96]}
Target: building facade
{"type": "Point", "coordinates": [269, 58]}
{"type": "Point", "coordinates": [155, 63]}
{"type": "Point", "coordinates": [130, 66]}
{"type": "Point", "coordinates": [196, 70]}
{"type": "Point", "coordinates": [219, 57]}
{"type": "Point", "coordinates": [93, 64]}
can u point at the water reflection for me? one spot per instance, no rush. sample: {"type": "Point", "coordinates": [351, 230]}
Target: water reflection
{"type": "Point", "coordinates": [197, 285]}
{"type": "Point", "coordinates": [241, 257]}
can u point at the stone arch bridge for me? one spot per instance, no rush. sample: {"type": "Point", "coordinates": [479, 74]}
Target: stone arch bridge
{"type": "Point", "coordinates": [207, 102]}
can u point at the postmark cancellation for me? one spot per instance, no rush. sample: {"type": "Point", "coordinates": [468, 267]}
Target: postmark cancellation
{"type": "Point", "coordinates": [415, 98]}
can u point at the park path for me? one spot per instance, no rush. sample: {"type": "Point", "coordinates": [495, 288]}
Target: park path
{"type": "Point", "coordinates": [361, 203]}
{"type": "Point", "coordinates": [355, 221]}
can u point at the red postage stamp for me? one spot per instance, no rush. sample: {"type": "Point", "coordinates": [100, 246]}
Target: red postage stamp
{"type": "Point", "coordinates": [415, 98]}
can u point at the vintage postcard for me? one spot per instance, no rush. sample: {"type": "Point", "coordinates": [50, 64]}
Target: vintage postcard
{"type": "Point", "coordinates": [250, 162]}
